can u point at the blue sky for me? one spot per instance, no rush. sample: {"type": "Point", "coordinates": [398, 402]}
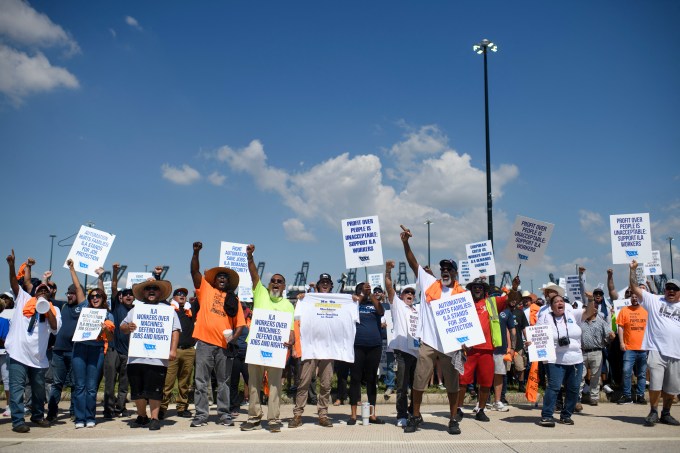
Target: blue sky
{"type": "Point", "coordinates": [268, 122]}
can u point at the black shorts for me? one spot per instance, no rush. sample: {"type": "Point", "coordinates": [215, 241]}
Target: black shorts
{"type": "Point", "coordinates": [146, 381]}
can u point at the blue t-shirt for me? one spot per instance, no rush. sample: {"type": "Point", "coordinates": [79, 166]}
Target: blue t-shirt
{"type": "Point", "coordinates": [368, 329]}
{"type": "Point", "coordinates": [121, 341]}
{"type": "Point", "coordinates": [507, 322]}
{"type": "Point", "coordinates": [4, 328]}
{"type": "Point", "coordinates": [69, 321]}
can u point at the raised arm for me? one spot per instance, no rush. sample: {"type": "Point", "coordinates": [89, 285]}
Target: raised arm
{"type": "Point", "coordinates": [100, 278]}
{"type": "Point", "coordinates": [410, 257]}
{"type": "Point", "coordinates": [380, 311]}
{"type": "Point", "coordinates": [613, 294]}
{"type": "Point", "coordinates": [254, 276]}
{"type": "Point", "coordinates": [80, 295]}
{"type": "Point", "coordinates": [632, 280]}
{"type": "Point", "coordinates": [13, 282]}
{"type": "Point", "coordinates": [28, 284]}
{"type": "Point", "coordinates": [389, 265]}
{"type": "Point", "coordinates": [195, 265]}
{"type": "Point", "coordinates": [114, 283]}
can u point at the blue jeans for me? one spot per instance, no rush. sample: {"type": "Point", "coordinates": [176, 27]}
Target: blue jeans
{"type": "Point", "coordinates": [61, 367]}
{"type": "Point", "coordinates": [639, 360]}
{"type": "Point", "coordinates": [389, 372]}
{"type": "Point", "coordinates": [570, 375]}
{"type": "Point", "coordinates": [87, 364]}
{"type": "Point", "coordinates": [18, 375]}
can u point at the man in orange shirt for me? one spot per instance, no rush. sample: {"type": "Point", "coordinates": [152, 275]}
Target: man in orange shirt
{"type": "Point", "coordinates": [632, 321]}
{"type": "Point", "coordinates": [219, 311]}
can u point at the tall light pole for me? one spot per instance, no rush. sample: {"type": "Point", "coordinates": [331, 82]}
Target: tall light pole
{"type": "Point", "coordinates": [670, 248]}
{"type": "Point", "coordinates": [482, 48]}
{"type": "Point", "coordinates": [428, 222]}
{"type": "Point", "coordinates": [52, 236]}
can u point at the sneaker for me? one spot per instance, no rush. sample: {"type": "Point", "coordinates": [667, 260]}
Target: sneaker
{"type": "Point", "coordinates": [274, 426]}
{"type": "Point", "coordinates": [296, 421]}
{"type": "Point", "coordinates": [234, 413]}
{"type": "Point", "coordinates": [607, 389]}
{"type": "Point", "coordinates": [7, 413]}
{"type": "Point", "coordinates": [453, 426]}
{"type": "Point", "coordinates": [226, 421]}
{"type": "Point", "coordinates": [499, 406]}
{"type": "Point", "coordinates": [154, 424]}
{"type": "Point", "coordinates": [442, 387]}
{"type": "Point", "coordinates": [323, 421]}
{"type": "Point", "coordinates": [413, 423]}
{"type": "Point", "coordinates": [625, 400]}
{"type": "Point", "coordinates": [22, 429]}
{"type": "Point", "coordinates": [388, 392]}
{"type": "Point", "coordinates": [185, 414]}
{"type": "Point", "coordinates": [80, 425]}
{"type": "Point", "coordinates": [547, 422]}
{"type": "Point", "coordinates": [652, 418]}
{"type": "Point", "coordinates": [668, 419]}
{"type": "Point", "coordinates": [42, 423]}
{"type": "Point", "coordinates": [401, 423]}
{"type": "Point", "coordinates": [90, 424]}
{"type": "Point", "coordinates": [640, 400]}
{"type": "Point", "coordinates": [141, 420]}
{"type": "Point", "coordinates": [351, 422]}
{"type": "Point", "coordinates": [566, 421]}
{"type": "Point", "coordinates": [459, 415]}
{"type": "Point", "coordinates": [197, 423]}
{"type": "Point", "coordinates": [593, 402]}
{"type": "Point", "coordinates": [481, 416]}
{"type": "Point", "coordinates": [251, 426]}
{"type": "Point", "coordinates": [51, 418]}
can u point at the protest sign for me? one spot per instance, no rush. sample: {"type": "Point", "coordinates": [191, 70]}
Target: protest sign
{"type": "Point", "coordinates": [542, 347]}
{"type": "Point", "coordinates": [269, 329]}
{"type": "Point", "coordinates": [653, 267]}
{"type": "Point", "coordinates": [457, 321]}
{"type": "Point", "coordinates": [107, 289]}
{"type": "Point", "coordinates": [361, 240]}
{"type": "Point", "coordinates": [573, 288]}
{"type": "Point", "coordinates": [382, 366]}
{"type": "Point", "coordinates": [619, 304]}
{"type": "Point", "coordinates": [89, 324]}
{"type": "Point", "coordinates": [529, 239]}
{"type": "Point", "coordinates": [631, 238]}
{"type": "Point", "coordinates": [234, 256]}
{"type": "Point", "coordinates": [389, 325]}
{"type": "Point", "coordinates": [376, 280]}
{"type": "Point", "coordinates": [137, 277]}
{"type": "Point", "coordinates": [464, 274]}
{"type": "Point", "coordinates": [89, 250]}
{"type": "Point", "coordinates": [152, 337]}
{"type": "Point", "coordinates": [480, 256]}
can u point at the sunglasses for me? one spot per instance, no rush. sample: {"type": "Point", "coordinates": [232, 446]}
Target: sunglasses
{"type": "Point", "coordinates": [95, 296]}
{"type": "Point", "coordinates": [277, 280]}
{"type": "Point", "coordinates": [181, 294]}
{"type": "Point", "coordinates": [152, 288]}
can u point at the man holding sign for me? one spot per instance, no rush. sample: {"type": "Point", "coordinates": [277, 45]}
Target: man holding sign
{"type": "Point", "coordinates": [431, 347]}
{"type": "Point", "coordinates": [267, 299]}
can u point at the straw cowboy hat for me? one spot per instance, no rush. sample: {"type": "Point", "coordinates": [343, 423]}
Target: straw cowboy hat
{"type": "Point", "coordinates": [164, 286]}
{"type": "Point", "coordinates": [210, 275]}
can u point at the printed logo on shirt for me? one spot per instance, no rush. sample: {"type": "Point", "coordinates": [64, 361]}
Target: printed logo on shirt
{"type": "Point", "coordinates": [672, 313]}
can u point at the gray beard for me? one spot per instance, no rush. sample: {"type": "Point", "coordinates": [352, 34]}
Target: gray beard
{"type": "Point", "coordinates": [446, 281]}
{"type": "Point", "coordinates": [277, 293]}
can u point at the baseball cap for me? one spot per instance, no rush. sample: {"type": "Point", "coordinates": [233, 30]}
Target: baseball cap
{"type": "Point", "coordinates": [378, 289]}
{"type": "Point", "coordinates": [449, 263]}
{"type": "Point", "coordinates": [598, 290]}
{"type": "Point", "coordinates": [673, 281]}
{"type": "Point", "coordinates": [325, 277]}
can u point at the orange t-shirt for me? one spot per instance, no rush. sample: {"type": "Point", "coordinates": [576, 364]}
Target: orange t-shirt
{"type": "Point", "coordinates": [211, 319]}
{"type": "Point", "coordinates": [633, 320]}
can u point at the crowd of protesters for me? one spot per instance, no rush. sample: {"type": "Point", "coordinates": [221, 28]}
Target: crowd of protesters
{"type": "Point", "coordinates": [598, 349]}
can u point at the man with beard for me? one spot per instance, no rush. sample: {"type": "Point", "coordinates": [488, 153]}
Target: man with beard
{"type": "Point", "coordinates": [632, 321]}
{"type": "Point", "coordinates": [270, 298]}
{"type": "Point", "coordinates": [431, 348]}
{"type": "Point", "coordinates": [219, 311]}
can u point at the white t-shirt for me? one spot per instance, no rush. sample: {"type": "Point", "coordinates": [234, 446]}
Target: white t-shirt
{"type": "Point", "coordinates": [427, 327]}
{"type": "Point", "coordinates": [569, 323]}
{"type": "Point", "coordinates": [176, 325]}
{"type": "Point", "coordinates": [663, 325]}
{"type": "Point", "coordinates": [328, 324]}
{"type": "Point", "coordinates": [28, 348]}
{"type": "Point", "coordinates": [405, 322]}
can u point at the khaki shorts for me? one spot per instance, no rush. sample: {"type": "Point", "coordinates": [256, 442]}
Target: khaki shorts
{"type": "Point", "coordinates": [499, 364]}
{"type": "Point", "coordinates": [425, 367]}
{"type": "Point", "coordinates": [664, 373]}
{"type": "Point", "coordinates": [520, 361]}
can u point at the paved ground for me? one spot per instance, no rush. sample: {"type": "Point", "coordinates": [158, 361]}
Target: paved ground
{"type": "Point", "coordinates": [607, 427]}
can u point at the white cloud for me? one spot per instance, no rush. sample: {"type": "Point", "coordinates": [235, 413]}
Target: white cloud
{"type": "Point", "coordinates": [592, 223]}
{"type": "Point", "coordinates": [295, 231]}
{"type": "Point", "coordinates": [183, 176]}
{"type": "Point", "coordinates": [216, 179]}
{"type": "Point", "coordinates": [132, 22]}
{"type": "Point", "coordinates": [25, 26]}
{"type": "Point", "coordinates": [22, 75]}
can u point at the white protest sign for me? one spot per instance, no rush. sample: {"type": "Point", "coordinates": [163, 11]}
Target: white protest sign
{"type": "Point", "coordinates": [573, 288]}
{"type": "Point", "coordinates": [234, 256]}
{"type": "Point", "coordinates": [480, 256]}
{"type": "Point", "coordinates": [619, 304]}
{"type": "Point", "coordinates": [631, 238]}
{"type": "Point", "coordinates": [361, 240]}
{"type": "Point", "coordinates": [107, 289]}
{"type": "Point", "coordinates": [542, 347]}
{"type": "Point", "coordinates": [464, 276]}
{"type": "Point", "coordinates": [152, 337]}
{"type": "Point", "coordinates": [654, 267]}
{"type": "Point", "coordinates": [90, 249]}
{"type": "Point", "coordinates": [269, 329]}
{"type": "Point", "coordinates": [529, 239]}
{"type": "Point", "coordinates": [137, 277]}
{"type": "Point", "coordinates": [89, 324]}
{"type": "Point", "coordinates": [457, 321]}
{"type": "Point", "coordinates": [375, 280]}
